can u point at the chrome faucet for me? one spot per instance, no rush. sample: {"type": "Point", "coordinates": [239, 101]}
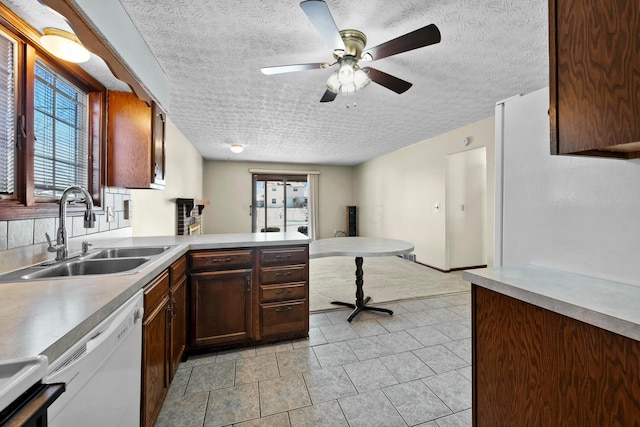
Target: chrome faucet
{"type": "Point", "coordinates": [61, 247]}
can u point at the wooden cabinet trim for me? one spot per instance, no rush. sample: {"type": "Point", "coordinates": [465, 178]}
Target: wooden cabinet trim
{"type": "Point", "coordinates": [222, 260]}
{"type": "Point", "coordinates": [156, 291]}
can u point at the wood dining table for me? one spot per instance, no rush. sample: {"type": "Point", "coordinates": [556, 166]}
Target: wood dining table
{"type": "Point", "coordinates": [359, 247]}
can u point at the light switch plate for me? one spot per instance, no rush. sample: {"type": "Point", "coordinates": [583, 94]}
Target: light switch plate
{"type": "Point", "coordinates": [111, 216]}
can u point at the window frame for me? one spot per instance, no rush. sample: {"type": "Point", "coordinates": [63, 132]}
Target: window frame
{"type": "Point", "coordinates": [24, 205]}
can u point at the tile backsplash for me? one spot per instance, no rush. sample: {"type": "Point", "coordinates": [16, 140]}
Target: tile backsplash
{"type": "Point", "coordinates": [26, 232]}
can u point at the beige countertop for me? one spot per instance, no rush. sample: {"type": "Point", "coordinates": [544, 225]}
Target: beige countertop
{"type": "Point", "coordinates": [48, 316]}
{"type": "Point", "coordinates": [609, 305]}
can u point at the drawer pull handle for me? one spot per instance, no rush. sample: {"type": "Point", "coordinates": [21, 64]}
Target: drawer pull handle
{"type": "Point", "coordinates": [283, 309]}
{"type": "Point", "coordinates": [286, 273]}
{"type": "Point", "coordinates": [283, 256]}
{"type": "Point", "coordinates": [222, 259]}
{"type": "Point", "coordinates": [283, 291]}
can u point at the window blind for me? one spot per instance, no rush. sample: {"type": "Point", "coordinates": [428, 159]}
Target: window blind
{"type": "Point", "coordinates": [7, 115]}
{"type": "Point", "coordinates": [61, 130]}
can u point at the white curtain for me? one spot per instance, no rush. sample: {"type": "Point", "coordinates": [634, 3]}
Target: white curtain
{"type": "Point", "coordinates": [312, 181]}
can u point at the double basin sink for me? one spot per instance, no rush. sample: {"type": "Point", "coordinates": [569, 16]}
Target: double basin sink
{"type": "Point", "coordinates": [122, 260]}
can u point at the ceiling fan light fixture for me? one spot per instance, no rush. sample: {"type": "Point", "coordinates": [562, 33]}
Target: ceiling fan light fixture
{"type": "Point", "coordinates": [64, 45]}
{"type": "Point", "coordinates": [348, 79]}
{"type": "Point", "coordinates": [237, 148]}
{"type": "Point", "coordinates": [346, 72]}
{"type": "Point", "coordinates": [361, 79]}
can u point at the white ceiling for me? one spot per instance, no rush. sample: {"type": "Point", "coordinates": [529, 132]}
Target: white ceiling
{"type": "Point", "coordinates": [212, 52]}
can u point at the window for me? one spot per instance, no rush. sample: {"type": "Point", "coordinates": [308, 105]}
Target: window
{"type": "Point", "coordinates": [52, 117]}
{"type": "Point", "coordinates": [7, 114]}
{"type": "Point", "coordinates": [61, 141]}
{"type": "Point", "coordinates": [287, 211]}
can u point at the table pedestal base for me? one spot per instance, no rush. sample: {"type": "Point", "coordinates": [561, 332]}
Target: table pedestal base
{"type": "Point", "coordinates": [361, 302]}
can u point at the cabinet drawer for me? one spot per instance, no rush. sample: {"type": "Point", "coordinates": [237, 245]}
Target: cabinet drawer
{"type": "Point", "coordinates": [178, 269]}
{"type": "Point", "coordinates": [292, 273]}
{"type": "Point", "coordinates": [284, 318]}
{"type": "Point", "coordinates": [155, 292]}
{"type": "Point", "coordinates": [297, 255]}
{"type": "Point", "coordinates": [221, 259]}
{"type": "Point", "coordinates": [281, 292]}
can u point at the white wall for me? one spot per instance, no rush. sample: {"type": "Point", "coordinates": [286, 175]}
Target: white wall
{"type": "Point", "coordinates": [154, 211]}
{"type": "Point", "coordinates": [396, 193]}
{"type": "Point", "coordinates": [228, 185]}
{"type": "Point", "coordinates": [578, 214]}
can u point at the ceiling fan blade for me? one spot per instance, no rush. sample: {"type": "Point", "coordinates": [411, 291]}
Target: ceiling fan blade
{"type": "Point", "coordinates": [421, 37]}
{"type": "Point", "coordinates": [387, 80]}
{"type": "Point", "coordinates": [318, 13]}
{"type": "Point", "coordinates": [328, 96]}
{"type": "Point", "coordinates": [291, 68]}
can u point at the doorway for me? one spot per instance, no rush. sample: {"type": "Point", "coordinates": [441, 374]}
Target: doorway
{"type": "Point", "coordinates": [280, 203]}
{"type": "Point", "coordinates": [466, 209]}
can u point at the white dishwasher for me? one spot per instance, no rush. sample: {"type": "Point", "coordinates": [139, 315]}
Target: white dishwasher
{"type": "Point", "coordinates": [102, 373]}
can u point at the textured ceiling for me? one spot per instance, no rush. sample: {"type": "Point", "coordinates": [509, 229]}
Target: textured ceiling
{"type": "Point", "coordinates": [212, 52]}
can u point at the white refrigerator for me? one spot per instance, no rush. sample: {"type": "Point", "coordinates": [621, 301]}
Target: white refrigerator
{"type": "Point", "coordinates": [574, 213]}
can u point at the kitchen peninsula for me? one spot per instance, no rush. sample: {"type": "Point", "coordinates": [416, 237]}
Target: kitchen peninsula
{"type": "Point", "coordinates": [48, 316]}
{"type": "Point", "coordinates": [553, 348]}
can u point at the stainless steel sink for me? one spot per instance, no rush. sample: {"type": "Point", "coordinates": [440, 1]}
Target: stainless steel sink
{"type": "Point", "coordinates": [86, 267]}
{"type": "Point", "coordinates": [130, 252]}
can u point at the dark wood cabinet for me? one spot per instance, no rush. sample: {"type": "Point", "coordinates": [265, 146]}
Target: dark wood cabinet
{"type": "Point", "coordinates": [594, 86]}
{"type": "Point", "coordinates": [135, 142]}
{"type": "Point", "coordinates": [155, 355]}
{"type": "Point", "coordinates": [248, 296]}
{"type": "Point", "coordinates": [284, 291]}
{"type": "Point", "coordinates": [535, 367]}
{"type": "Point", "coordinates": [178, 327]}
{"type": "Point", "coordinates": [221, 284]}
{"type": "Point", "coordinates": [164, 330]}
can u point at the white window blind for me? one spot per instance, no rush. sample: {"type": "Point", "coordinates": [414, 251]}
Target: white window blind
{"type": "Point", "coordinates": [61, 129]}
{"type": "Point", "coordinates": [7, 115]}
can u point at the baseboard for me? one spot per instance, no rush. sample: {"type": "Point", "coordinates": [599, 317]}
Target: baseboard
{"type": "Point", "coordinates": [431, 266]}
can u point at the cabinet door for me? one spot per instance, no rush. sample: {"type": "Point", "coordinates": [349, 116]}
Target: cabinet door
{"type": "Point", "coordinates": [155, 378]}
{"type": "Point", "coordinates": [129, 141]}
{"type": "Point", "coordinates": [158, 155]}
{"type": "Point", "coordinates": [220, 307]}
{"type": "Point", "coordinates": [178, 323]}
{"type": "Point", "coordinates": [594, 65]}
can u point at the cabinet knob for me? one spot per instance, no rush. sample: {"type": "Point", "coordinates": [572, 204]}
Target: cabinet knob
{"type": "Point", "coordinates": [281, 256]}
{"type": "Point", "coordinates": [283, 291]}
{"type": "Point", "coordinates": [283, 309]}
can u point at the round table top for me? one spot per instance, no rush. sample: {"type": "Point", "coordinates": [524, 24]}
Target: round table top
{"type": "Point", "coordinates": [358, 246]}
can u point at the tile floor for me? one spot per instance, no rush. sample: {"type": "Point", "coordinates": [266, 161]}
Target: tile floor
{"type": "Point", "coordinates": [409, 369]}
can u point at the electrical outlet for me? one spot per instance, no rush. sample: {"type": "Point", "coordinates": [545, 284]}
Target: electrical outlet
{"type": "Point", "coordinates": [111, 216]}
{"type": "Point", "coordinates": [127, 209]}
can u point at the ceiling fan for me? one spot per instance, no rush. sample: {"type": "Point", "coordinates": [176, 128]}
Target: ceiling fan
{"type": "Point", "coordinates": [348, 47]}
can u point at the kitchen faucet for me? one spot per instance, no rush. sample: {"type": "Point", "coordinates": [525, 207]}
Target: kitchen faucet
{"type": "Point", "coordinates": [61, 247]}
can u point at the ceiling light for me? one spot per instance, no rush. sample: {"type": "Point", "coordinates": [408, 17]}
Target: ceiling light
{"type": "Point", "coordinates": [237, 148]}
{"type": "Point", "coordinates": [348, 79]}
{"type": "Point", "coordinates": [64, 45]}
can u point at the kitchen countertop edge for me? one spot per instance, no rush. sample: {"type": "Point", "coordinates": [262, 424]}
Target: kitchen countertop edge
{"type": "Point", "coordinates": [602, 303]}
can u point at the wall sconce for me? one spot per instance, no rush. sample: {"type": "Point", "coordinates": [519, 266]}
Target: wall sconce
{"type": "Point", "coordinates": [64, 45]}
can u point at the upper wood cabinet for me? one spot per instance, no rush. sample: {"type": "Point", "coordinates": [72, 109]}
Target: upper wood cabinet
{"type": "Point", "coordinates": [594, 85]}
{"type": "Point", "coordinates": [135, 142]}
